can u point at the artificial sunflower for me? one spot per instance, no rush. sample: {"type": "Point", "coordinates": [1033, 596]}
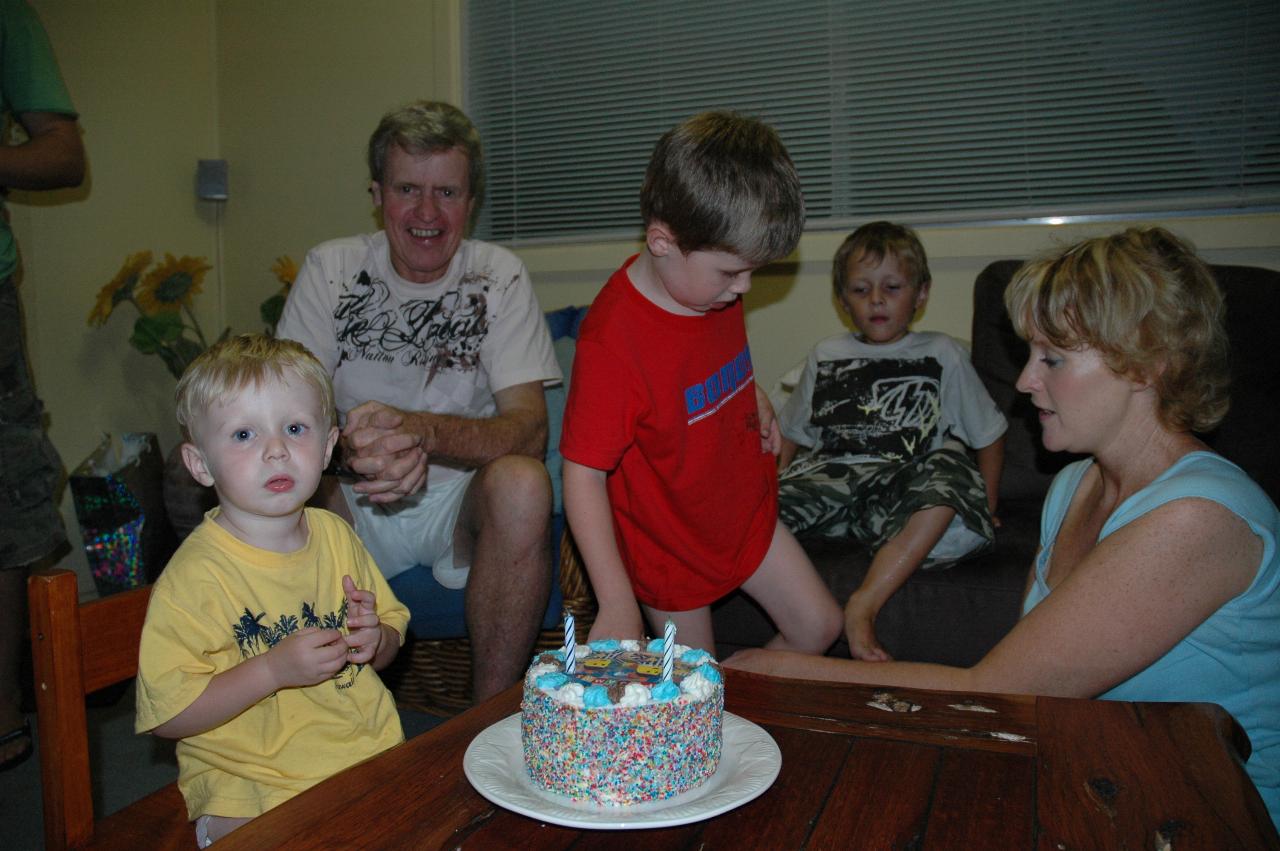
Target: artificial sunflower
{"type": "Point", "coordinates": [286, 271]}
{"type": "Point", "coordinates": [120, 288]}
{"type": "Point", "coordinates": [171, 285]}
{"type": "Point", "coordinates": [166, 325]}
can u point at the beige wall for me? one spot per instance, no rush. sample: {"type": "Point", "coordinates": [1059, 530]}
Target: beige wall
{"type": "Point", "coordinates": [301, 85]}
{"type": "Point", "coordinates": [142, 138]}
{"type": "Point", "coordinates": [141, 73]}
{"type": "Point", "coordinates": [287, 92]}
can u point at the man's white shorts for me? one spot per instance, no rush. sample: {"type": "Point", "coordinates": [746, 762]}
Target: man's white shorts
{"type": "Point", "coordinates": [415, 530]}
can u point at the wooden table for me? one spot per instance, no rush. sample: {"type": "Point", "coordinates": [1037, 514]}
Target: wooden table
{"type": "Point", "coordinates": [862, 767]}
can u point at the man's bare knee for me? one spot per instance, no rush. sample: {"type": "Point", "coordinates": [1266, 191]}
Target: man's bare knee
{"type": "Point", "coordinates": [516, 490]}
{"type": "Point", "coordinates": [516, 473]}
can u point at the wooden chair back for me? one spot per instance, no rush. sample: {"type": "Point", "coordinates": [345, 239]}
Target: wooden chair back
{"type": "Point", "coordinates": [76, 650]}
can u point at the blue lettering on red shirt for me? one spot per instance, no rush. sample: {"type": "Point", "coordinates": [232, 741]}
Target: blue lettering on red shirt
{"type": "Point", "coordinates": [703, 399]}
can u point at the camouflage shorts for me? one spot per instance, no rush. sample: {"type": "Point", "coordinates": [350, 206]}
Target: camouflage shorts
{"type": "Point", "coordinates": [30, 470]}
{"type": "Point", "coordinates": [873, 500]}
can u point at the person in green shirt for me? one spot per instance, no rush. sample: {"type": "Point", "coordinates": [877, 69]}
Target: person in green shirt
{"type": "Point", "coordinates": [32, 94]}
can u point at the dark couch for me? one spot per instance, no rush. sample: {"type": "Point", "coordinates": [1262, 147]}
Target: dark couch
{"type": "Point", "coordinates": [955, 616]}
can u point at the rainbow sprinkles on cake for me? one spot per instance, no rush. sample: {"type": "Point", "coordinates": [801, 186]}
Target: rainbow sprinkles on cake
{"type": "Point", "coordinates": [618, 729]}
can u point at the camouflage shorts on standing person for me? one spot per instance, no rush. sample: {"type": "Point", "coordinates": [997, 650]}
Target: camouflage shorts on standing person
{"type": "Point", "coordinates": [30, 470]}
{"type": "Point", "coordinates": [872, 500]}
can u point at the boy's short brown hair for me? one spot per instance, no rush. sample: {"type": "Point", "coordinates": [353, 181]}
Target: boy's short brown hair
{"type": "Point", "coordinates": [723, 181]}
{"type": "Point", "coordinates": [232, 364]}
{"type": "Point", "coordinates": [1147, 304]}
{"type": "Point", "coordinates": [873, 241]}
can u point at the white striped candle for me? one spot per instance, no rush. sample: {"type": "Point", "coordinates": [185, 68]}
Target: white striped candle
{"type": "Point", "coordinates": [570, 643]}
{"type": "Point", "coordinates": [668, 651]}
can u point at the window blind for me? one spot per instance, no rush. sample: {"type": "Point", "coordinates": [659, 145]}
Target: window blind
{"type": "Point", "coordinates": [919, 111]}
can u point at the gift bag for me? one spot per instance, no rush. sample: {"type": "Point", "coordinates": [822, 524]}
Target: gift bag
{"type": "Point", "coordinates": [119, 501]}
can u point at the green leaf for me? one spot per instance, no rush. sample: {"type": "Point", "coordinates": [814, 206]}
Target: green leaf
{"type": "Point", "coordinates": [179, 354]}
{"type": "Point", "coordinates": [172, 360]}
{"type": "Point", "coordinates": [164, 334]}
{"type": "Point", "coordinates": [151, 333]}
{"type": "Point", "coordinates": [271, 310]}
{"type": "Point", "coordinates": [187, 349]}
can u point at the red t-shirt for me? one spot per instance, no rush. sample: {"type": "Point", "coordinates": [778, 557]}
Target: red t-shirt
{"type": "Point", "coordinates": [666, 405]}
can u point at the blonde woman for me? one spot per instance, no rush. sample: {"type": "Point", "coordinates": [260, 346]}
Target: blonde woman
{"type": "Point", "coordinates": [1157, 576]}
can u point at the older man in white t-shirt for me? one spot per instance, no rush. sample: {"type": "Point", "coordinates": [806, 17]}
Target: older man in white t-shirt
{"type": "Point", "coordinates": [439, 354]}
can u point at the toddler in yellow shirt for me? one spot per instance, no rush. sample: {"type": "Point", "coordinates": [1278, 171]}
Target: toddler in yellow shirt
{"type": "Point", "coordinates": [266, 629]}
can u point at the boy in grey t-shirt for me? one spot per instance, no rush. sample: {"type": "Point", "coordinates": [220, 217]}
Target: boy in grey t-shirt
{"type": "Point", "coordinates": [887, 414]}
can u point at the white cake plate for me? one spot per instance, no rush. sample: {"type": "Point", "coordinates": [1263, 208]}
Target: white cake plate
{"type": "Point", "coordinates": [749, 763]}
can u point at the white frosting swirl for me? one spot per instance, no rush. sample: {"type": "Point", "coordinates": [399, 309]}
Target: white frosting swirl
{"type": "Point", "coordinates": [696, 687]}
{"type": "Point", "coordinates": [634, 694]}
{"type": "Point", "coordinates": [570, 694]}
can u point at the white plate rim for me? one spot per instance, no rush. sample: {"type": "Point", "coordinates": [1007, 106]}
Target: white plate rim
{"type": "Point", "coordinates": [733, 784]}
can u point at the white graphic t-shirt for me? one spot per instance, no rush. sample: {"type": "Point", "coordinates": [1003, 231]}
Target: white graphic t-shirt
{"type": "Point", "coordinates": [891, 402]}
{"type": "Point", "coordinates": [444, 347]}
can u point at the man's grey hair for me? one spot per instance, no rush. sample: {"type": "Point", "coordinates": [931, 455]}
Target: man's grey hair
{"type": "Point", "coordinates": [426, 127]}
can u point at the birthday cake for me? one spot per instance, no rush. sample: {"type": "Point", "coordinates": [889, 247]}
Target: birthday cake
{"type": "Point", "coordinates": [615, 731]}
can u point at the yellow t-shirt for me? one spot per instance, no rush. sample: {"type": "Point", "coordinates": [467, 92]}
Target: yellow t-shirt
{"type": "Point", "coordinates": [220, 601]}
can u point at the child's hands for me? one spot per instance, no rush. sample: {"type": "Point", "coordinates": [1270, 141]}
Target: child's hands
{"type": "Point", "coordinates": [770, 433]}
{"type": "Point", "coordinates": [306, 657]}
{"type": "Point", "coordinates": [616, 622]}
{"type": "Point", "coordinates": [364, 630]}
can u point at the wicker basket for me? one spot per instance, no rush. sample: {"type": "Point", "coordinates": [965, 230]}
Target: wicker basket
{"type": "Point", "coordinates": [434, 675]}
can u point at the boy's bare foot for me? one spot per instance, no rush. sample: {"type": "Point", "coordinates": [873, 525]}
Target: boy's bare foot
{"type": "Point", "coordinates": [859, 627]}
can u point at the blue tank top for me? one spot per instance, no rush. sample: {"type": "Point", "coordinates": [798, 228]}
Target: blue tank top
{"type": "Point", "coordinates": [1233, 658]}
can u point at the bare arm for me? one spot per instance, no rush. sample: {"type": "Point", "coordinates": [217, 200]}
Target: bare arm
{"type": "Point", "coordinates": [1031, 578]}
{"type": "Point", "coordinates": [51, 158]}
{"type": "Point", "coordinates": [1132, 598]}
{"type": "Point", "coordinates": [519, 428]}
{"type": "Point", "coordinates": [770, 433]}
{"type": "Point", "coordinates": [391, 448]}
{"type": "Point", "coordinates": [990, 466]}
{"type": "Point", "coordinates": [305, 658]}
{"type": "Point", "coordinates": [586, 504]}
{"type": "Point", "coordinates": [787, 452]}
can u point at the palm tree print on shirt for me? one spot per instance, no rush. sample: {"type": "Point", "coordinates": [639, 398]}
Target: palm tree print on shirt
{"type": "Point", "coordinates": [254, 637]}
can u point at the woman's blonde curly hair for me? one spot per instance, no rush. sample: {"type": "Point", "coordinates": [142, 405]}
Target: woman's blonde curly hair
{"type": "Point", "coordinates": [1147, 304]}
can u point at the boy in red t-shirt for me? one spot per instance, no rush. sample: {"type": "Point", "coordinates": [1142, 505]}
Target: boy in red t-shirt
{"type": "Point", "coordinates": [670, 483]}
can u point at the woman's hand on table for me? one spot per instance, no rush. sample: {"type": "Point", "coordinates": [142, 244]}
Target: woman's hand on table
{"type": "Point", "coordinates": [756, 660]}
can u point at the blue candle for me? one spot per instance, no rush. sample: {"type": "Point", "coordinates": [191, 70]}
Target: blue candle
{"type": "Point", "coordinates": [570, 643]}
{"type": "Point", "coordinates": [668, 651]}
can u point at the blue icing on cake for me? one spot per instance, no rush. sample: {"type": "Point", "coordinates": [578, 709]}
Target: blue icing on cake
{"type": "Point", "coordinates": [596, 697]}
{"type": "Point", "coordinates": [708, 671]}
{"type": "Point", "coordinates": [665, 691]}
{"type": "Point", "coordinates": [695, 656]}
{"type": "Point", "coordinates": [552, 680]}
{"type": "Point", "coordinates": [604, 645]}
{"type": "Point", "coordinates": [654, 645]}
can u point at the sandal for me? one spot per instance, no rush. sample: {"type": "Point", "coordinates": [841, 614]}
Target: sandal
{"type": "Point", "coordinates": [22, 755]}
